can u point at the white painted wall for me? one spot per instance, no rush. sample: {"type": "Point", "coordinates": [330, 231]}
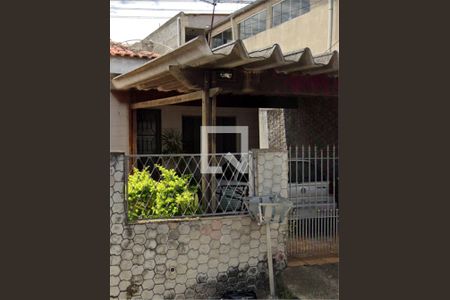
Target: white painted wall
{"type": "Point", "coordinates": [171, 117]}
{"type": "Point", "coordinates": [118, 125]}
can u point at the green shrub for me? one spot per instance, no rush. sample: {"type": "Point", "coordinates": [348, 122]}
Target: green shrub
{"type": "Point", "coordinates": [170, 196]}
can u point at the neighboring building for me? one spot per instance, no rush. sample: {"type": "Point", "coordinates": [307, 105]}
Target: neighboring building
{"type": "Point", "coordinates": [292, 24]}
{"type": "Point", "coordinates": [122, 60]}
{"type": "Point", "coordinates": [180, 29]}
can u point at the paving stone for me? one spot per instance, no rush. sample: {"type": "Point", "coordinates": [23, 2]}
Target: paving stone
{"type": "Point", "coordinates": [140, 239]}
{"type": "Point", "coordinates": [189, 294]}
{"type": "Point", "coordinates": [225, 239]}
{"type": "Point", "coordinates": [125, 275]}
{"type": "Point", "coordinates": [114, 280]}
{"type": "Point", "coordinates": [185, 239]}
{"type": "Point", "coordinates": [137, 270]}
{"type": "Point", "coordinates": [160, 269]}
{"type": "Point", "coordinates": [169, 294]}
{"type": "Point", "coordinates": [205, 239]}
{"type": "Point", "coordinates": [244, 257]}
{"type": "Point", "coordinates": [181, 279]}
{"type": "Point", "coordinates": [192, 264]}
{"type": "Point", "coordinates": [193, 254]}
{"type": "Point", "coordinates": [224, 258]}
{"type": "Point", "coordinates": [114, 291]}
{"type": "Point", "coordinates": [163, 228]}
{"type": "Point", "coordinates": [180, 288]}
{"type": "Point", "coordinates": [161, 249]}
{"type": "Point", "coordinates": [214, 244]}
{"type": "Point", "coordinates": [203, 268]}
{"type": "Point", "coordinates": [172, 254]}
{"type": "Point", "coordinates": [138, 249]}
{"type": "Point", "coordinates": [182, 259]}
{"type": "Point", "coordinates": [172, 245]}
{"type": "Point", "coordinates": [222, 267]}
{"type": "Point", "coordinates": [151, 244]}
{"type": "Point", "coordinates": [114, 260]}
{"type": "Point", "coordinates": [159, 278]}
{"type": "Point", "coordinates": [212, 273]}
{"type": "Point", "coordinates": [123, 285]}
{"type": "Point", "coordinates": [127, 244]}
{"type": "Point", "coordinates": [118, 208]}
{"type": "Point", "coordinates": [158, 289]}
{"type": "Point", "coordinates": [115, 239]}
{"type": "Point", "coordinates": [149, 254]}
{"type": "Point", "coordinates": [179, 297]}
{"type": "Point", "coordinates": [138, 259]}
{"type": "Point", "coordinates": [254, 244]}
{"type": "Point", "coordinates": [149, 264]}
{"type": "Point", "coordinates": [184, 229]}
{"type": "Point", "coordinates": [233, 262]}
{"type": "Point", "coordinates": [169, 284]}
{"type": "Point", "coordinates": [204, 249]}
{"type": "Point", "coordinates": [202, 258]}
{"type": "Point", "coordinates": [191, 274]}
{"type": "Point", "coordinates": [215, 235]}
{"type": "Point", "coordinates": [151, 234]}
{"type": "Point", "coordinates": [148, 274]}
{"type": "Point", "coordinates": [181, 269]}
{"type": "Point", "coordinates": [253, 261]}
{"type": "Point", "coordinates": [147, 295]}
{"type": "Point", "coordinates": [117, 228]}
{"type": "Point", "coordinates": [162, 239]}
{"type": "Point", "coordinates": [114, 270]}
{"type": "Point", "coordinates": [194, 244]}
{"type": "Point", "coordinates": [213, 263]}
{"type": "Point", "coordinates": [224, 249]}
{"type": "Point", "coordinates": [236, 225]}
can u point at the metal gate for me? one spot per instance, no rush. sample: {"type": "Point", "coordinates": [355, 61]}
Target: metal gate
{"type": "Point", "coordinates": [313, 189]}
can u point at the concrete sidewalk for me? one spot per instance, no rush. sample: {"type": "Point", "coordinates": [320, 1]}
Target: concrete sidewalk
{"type": "Point", "coordinates": [312, 281]}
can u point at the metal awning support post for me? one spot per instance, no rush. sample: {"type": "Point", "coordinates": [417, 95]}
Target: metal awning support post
{"type": "Point", "coordinates": [267, 210]}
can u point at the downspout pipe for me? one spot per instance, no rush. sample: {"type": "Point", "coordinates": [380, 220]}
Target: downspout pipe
{"type": "Point", "coordinates": [330, 24]}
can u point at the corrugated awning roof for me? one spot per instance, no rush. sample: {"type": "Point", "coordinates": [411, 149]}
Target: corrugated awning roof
{"type": "Point", "coordinates": [163, 72]}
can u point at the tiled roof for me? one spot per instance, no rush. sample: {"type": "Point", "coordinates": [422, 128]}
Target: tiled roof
{"type": "Point", "coordinates": [118, 49]}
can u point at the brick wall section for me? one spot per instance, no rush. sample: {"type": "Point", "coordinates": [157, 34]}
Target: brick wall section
{"type": "Point", "coordinates": [185, 259]}
{"type": "Point", "coordinates": [276, 129]}
{"type": "Point", "coordinates": [315, 122]}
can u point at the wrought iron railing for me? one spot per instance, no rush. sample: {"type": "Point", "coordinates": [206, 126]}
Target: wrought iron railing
{"type": "Point", "coordinates": [173, 185]}
{"type": "Point", "coordinates": [313, 190]}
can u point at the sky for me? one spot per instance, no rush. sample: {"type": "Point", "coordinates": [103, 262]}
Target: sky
{"type": "Point", "coordinates": [134, 20]}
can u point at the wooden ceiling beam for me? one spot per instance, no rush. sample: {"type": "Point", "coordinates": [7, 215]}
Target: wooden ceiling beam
{"type": "Point", "coordinates": [174, 99]}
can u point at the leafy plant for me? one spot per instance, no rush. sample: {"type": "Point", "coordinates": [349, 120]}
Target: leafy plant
{"type": "Point", "coordinates": [172, 195]}
{"type": "Point", "coordinates": [171, 141]}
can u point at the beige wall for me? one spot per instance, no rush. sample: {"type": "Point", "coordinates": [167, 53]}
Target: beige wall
{"type": "Point", "coordinates": [309, 30]}
{"type": "Point", "coordinates": [171, 117]}
{"type": "Point", "coordinates": [118, 125]}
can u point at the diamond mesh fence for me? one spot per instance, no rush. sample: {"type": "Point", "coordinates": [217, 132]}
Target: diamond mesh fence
{"type": "Point", "coordinates": [173, 185]}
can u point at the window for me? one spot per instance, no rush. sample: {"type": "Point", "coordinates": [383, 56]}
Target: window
{"type": "Point", "coordinates": [222, 38]}
{"type": "Point", "coordinates": [253, 25]}
{"type": "Point", "coordinates": [289, 9]}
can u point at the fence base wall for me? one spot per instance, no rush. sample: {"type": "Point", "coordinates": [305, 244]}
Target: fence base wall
{"type": "Point", "coordinates": [189, 258]}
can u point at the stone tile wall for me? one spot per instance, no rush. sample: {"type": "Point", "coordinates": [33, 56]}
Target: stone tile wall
{"type": "Point", "coordinates": [189, 258]}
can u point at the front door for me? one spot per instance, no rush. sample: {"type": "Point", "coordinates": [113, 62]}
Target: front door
{"type": "Point", "coordinates": [148, 131]}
